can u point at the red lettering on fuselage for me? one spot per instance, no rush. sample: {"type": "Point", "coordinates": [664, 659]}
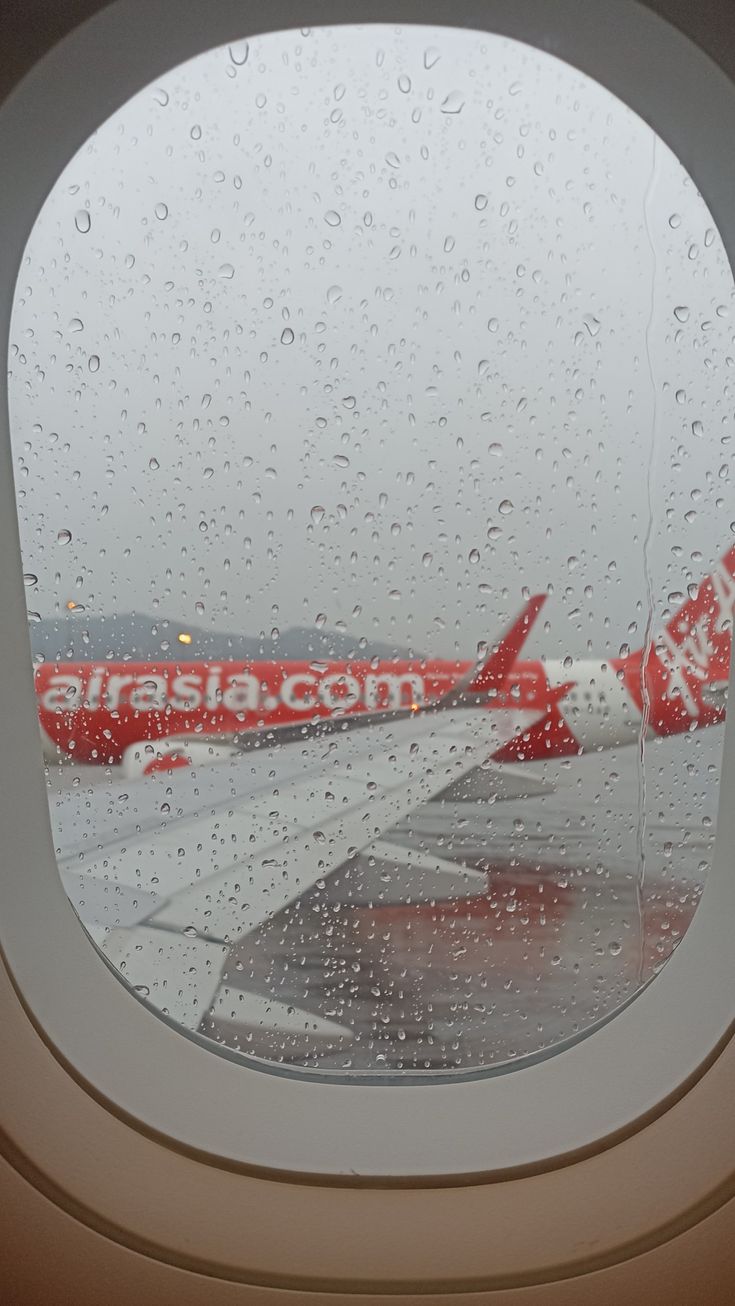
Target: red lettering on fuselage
{"type": "Point", "coordinates": [95, 712]}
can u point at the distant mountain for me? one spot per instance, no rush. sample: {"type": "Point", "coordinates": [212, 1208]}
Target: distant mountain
{"type": "Point", "coordinates": [133, 636]}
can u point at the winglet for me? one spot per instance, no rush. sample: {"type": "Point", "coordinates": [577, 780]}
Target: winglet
{"type": "Point", "coordinates": [492, 673]}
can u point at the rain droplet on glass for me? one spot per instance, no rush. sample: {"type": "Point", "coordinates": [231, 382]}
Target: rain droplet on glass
{"type": "Point", "coordinates": [239, 52]}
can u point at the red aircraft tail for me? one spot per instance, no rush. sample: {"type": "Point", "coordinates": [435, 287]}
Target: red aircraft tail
{"type": "Point", "coordinates": [682, 676]}
{"type": "Point", "coordinates": [492, 673]}
{"type": "Point", "coordinates": [699, 635]}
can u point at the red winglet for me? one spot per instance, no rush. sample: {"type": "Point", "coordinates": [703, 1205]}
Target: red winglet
{"type": "Point", "coordinates": [494, 670]}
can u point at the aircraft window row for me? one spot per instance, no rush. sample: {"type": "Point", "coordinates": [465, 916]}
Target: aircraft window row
{"type": "Point", "coordinates": [306, 341]}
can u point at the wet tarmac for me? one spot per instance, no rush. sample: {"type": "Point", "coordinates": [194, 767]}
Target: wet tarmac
{"type": "Point", "coordinates": [481, 932]}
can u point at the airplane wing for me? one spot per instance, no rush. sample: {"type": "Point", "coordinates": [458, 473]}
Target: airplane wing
{"type": "Point", "coordinates": [189, 863]}
{"type": "Point", "coordinates": [185, 864]}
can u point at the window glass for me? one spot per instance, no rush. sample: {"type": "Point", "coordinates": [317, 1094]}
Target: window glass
{"type": "Point", "coordinates": [371, 413]}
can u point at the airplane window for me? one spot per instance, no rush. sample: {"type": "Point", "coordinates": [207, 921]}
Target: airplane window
{"type": "Point", "coordinates": [369, 399]}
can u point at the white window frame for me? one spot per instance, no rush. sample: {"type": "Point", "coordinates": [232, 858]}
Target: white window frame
{"type": "Point", "coordinates": [139, 1078]}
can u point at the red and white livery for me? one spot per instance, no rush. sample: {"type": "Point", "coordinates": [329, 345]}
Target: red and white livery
{"type": "Point", "coordinates": [154, 715]}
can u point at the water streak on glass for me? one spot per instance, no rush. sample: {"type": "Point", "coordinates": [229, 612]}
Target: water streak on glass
{"type": "Point", "coordinates": [650, 471]}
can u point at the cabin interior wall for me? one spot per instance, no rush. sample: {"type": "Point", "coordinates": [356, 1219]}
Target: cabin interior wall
{"type": "Point", "coordinates": [50, 1259]}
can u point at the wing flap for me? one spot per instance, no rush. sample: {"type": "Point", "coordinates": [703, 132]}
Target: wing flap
{"type": "Point", "coordinates": [235, 1010]}
{"type": "Point", "coordinates": [179, 974]}
{"type": "Point", "coordinates": [494, 784]}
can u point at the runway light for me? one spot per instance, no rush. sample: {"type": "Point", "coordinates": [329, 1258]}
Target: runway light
{"type": "Point", "coordinates": [184, 637]}
{"type": "Point", "coordinates": [71, 605]}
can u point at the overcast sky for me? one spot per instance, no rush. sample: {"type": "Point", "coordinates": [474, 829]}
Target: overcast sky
{"type": "Point", "coordinates": [355, 323]}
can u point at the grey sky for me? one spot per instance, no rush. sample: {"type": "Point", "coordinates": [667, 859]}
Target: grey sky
{"type": "Point", "coordinates": [401, 277]}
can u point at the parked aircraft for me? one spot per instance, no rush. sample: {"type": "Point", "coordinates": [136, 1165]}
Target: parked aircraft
{"type": "Point", "coordinates": [154, 715]}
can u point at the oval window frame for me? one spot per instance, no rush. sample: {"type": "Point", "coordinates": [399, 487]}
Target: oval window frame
{"type": "Point", "coordinates": [544, 1117]}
